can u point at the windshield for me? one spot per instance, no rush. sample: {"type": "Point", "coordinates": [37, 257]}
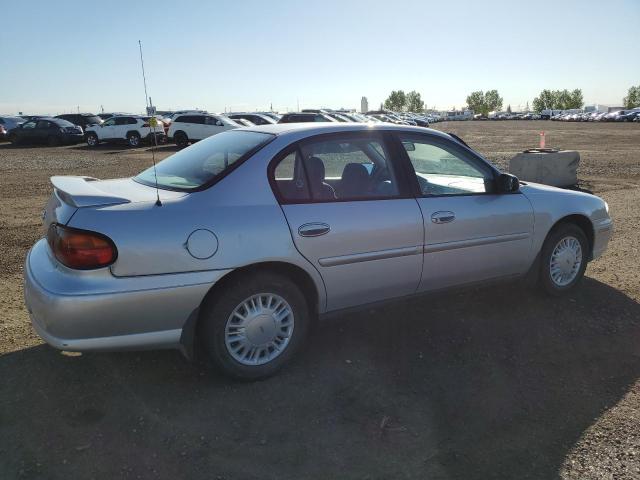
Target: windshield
{"type": "Point", "coordinates": [201, 163]}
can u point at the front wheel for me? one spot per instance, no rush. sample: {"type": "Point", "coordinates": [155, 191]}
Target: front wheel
{"type": "Point", "coordinates": [564, 259]}
{"type": "Point", "coordinates": [133, 139]}
{"type": "Point", "coordinates": [92, 140]}
{"type": "Point", "coordinates": [181, 139]}
{"type": "Point", "coordinates": [251, 328]}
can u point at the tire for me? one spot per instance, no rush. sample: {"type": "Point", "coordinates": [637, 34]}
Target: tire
{"type": "Point", "coordinates": [566, 274]}
{"type": "Point", "coordinates": [224, 337]}
{"type": "Point", "coordinates": [53, 141]}
{"type": "Point", "coordinates": [181, 139]}
{"type": "Point", "coordinates": [13, 138]}
{"type": "Point", "coordinates": [92, 140]}
{"type": "Point", "coordinates": [133, 139]}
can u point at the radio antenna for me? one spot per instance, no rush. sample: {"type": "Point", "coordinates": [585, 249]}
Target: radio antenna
{"type": "Point", "coordinates": [152, 121]}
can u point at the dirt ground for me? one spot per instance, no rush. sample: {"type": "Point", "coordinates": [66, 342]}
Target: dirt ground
{"type": "Point", "coordinates": [497, 383]}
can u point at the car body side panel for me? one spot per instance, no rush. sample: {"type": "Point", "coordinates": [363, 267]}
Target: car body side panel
{"type": "Point", "coordinates": [489, 237]}
{"type": "Point", "coordinates": [551, 204]}
{"type": "Point", "coordinates": [372, 251]}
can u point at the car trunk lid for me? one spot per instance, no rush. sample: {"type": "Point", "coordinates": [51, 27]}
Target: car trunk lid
{"type": "Point", "coordinates": [73, 192]}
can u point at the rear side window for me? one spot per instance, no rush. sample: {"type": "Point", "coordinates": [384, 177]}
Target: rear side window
{"type": "Point", "coordinates": [204, 162]}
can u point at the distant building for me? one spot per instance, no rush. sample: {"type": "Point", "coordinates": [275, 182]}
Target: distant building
{"type": "Point", "coordinates": [596, 108]}
{"type": "Point", "coordinates": [364, 105]}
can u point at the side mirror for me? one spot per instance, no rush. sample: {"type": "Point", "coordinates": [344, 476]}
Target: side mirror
{"type": "Point", "coordinates": [507, 183]}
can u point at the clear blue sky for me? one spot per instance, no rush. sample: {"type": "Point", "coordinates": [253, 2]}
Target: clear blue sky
{"type": "Point", "coordinates": [244, 55]}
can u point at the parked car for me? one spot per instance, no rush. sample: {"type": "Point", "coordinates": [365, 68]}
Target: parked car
{"type": "Point", "coordinates": [305, 117]}
{"type": "Point", "coordinates": [628, 116]}
{"type": "Point", "coordinates": [9, 122]}
{"type": "Point", "coordinates": [197, 126]}
{"type": "Point", "coordinates": [129, 129]}
{"type": "Point", "coordinates": [82, 120]}
{"type": "Point", "coordinates": [243, 122]}
{"type": "Point", "coordinates": [255, 118]}
{"type": "Point", "coordinates": [238, 243]}
{"type": "Point", "coordinates": [52, 131]}
{"type": "Point", "coordinates": [3, 133]}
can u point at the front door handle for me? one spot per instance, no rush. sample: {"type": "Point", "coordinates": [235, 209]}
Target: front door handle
{"type": "Point", "coordinates": [313, 229]}
{"type": "Point", "coordinates": [443, 217]}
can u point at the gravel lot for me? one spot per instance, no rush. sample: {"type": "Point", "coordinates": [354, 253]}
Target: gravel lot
{"type": "Point", "coordinates": [495, 383]}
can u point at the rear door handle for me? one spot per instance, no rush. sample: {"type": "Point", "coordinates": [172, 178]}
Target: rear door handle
{"type": "Point", "coordinates": [313, 229]}
{"type": "Point", "coordinates": [443, 217]}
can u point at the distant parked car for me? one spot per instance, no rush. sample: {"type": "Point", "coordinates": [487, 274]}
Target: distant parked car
{"type": "Point", "coordinates": [104, 116]}
{"type": "Point", "coordinates": [255, 118]}
{"type": "Point", "coordinates": [305, 117]}
{"type": "Point", "coordinates": [81, 119]}
{"type": "Point", "coordinates": [197, 126]}
{"type": "Point", "coordinates": [11, 122]}
{"type": "Point", "coordinates": [129, 129]}
{"type": "Point", "coordinates": [52, 131]}
{"type": "Point", "coordinates": [628, 116]}
{"type": "Point", "coordinates": [244, 122]}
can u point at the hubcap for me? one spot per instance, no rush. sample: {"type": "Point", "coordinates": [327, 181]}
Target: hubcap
{"type": "Point", "coordinates": [133, 140]}
{"type": "Point", "coordinates": [91, 140]}
{"type": "Point", "coordinates": [565, 262]}
{"type": "Point", "coordinates": [259, 329]}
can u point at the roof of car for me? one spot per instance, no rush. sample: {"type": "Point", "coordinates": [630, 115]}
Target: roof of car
{"type": "Point", "coordinates": [332, 127]}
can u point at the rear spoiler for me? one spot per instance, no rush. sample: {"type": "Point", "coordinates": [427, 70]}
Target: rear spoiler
{"type": "Point", "coordinates": [78, 192]}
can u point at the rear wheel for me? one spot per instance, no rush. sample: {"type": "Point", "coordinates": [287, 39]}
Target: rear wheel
{"type": "Point", "coordinates": [92, 139]}
{"type": "Point", "coordinates": [13, 138]}
{"type": "Point", "coordinates": [181, 139]}
{"type": "Point", "coordinates": [252, 327]}
{"type": "Point", "coordinates": [564, 259]}
{"type": "Point", "coordinates": [133, 139]}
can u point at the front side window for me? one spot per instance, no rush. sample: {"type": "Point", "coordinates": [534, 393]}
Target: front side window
{"type": "Point", "coordinates": [202, 163]}
{"type": "Point", "coordinates": [444, 169]}
{"type": "Point", "coordinates": [29, 125]}
{"type": "Point", "coordinates": [345, 168]}
{"type": "Point", "coordinates": [109, 123]}
{"type": "Point", "coordinates": [43, 124]}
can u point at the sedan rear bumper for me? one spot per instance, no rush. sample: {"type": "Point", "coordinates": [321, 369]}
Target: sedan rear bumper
{"type": "Point", "coordinates": [93, 310]}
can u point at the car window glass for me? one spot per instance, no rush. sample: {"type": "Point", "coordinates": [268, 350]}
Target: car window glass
{"type": "Point", "coordinates": [443, 169]}
{"type": "Point", "coordinates": [348, 168]}
{"type": "Point", "coordinates": [42, 124]}
{"type": "Point", "coordinates": [201, 163]}
{"type": "Point", "coordinates": [131, 121]}
{"type": "Point", "coordinates": [29, 125]}
{"type": "Point", "coordinates": [290, 179]}
{"type": "Point", "coordinates": [122, 121]}
{"type": "Point", "coordinates": [110, 122]}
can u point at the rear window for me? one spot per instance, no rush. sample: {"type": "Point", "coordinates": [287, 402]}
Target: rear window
{"type": "Point", "coordinates": [63, 123]}
{"type": "Point", "coordinates": [203, 162]}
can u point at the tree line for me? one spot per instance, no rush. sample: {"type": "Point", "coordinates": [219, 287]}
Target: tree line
{"type": "Point", "coordinates": [489, 101]}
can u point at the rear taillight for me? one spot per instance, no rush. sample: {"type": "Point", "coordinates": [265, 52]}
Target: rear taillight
{"type": "Point", "coordinates": [81, 249]}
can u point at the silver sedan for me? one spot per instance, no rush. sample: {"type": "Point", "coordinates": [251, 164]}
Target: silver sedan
{"type": "Point", "coordinates": [234, 246]}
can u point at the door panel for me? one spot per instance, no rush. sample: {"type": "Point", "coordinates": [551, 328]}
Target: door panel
{"type": "Point", "coordinates": [472, 233]}
{"type": "Point", "coordinates": [371, 251]}
{"type": "Point", "coordinates": [489, 237]}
